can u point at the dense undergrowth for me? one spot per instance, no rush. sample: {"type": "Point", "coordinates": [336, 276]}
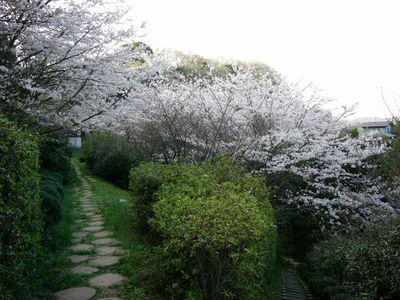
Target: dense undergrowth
{"type": "Point", "coordinates": [361, 266]}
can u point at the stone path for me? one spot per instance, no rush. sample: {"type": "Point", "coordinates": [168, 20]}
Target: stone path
{"type": "Point", "coordinates": [293, 288]}
{"type": "Point", "coordinates": [93, 253]}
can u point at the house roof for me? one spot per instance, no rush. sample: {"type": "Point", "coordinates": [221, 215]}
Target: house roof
{"type": "Point", "coordinates": [374, 124]}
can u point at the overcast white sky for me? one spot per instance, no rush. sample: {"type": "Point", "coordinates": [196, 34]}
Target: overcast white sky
{"type": "Point", "coordinates": [348, 48]}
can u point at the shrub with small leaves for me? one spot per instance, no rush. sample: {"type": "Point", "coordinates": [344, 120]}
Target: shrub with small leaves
{"type": "Point", "coordinates": [52, 195]}
{"type": "Point", "coordinates": [20, 213]}
{"type": "Point", "coordinates": [217, 237]}
{"type": "Point", "coordinates": [363, 266]}
{"type": "Point", "coordinates": [110, 156]}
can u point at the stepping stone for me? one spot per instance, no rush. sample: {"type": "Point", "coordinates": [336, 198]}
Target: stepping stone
{"type": "Point", "coordinates": [106, 280]}
{"type": "Point", "coordinates": [104, 261]}
{"type": "Point", "coordinates": [93, 228]}
{"type": "Point", "coordinates": [96, 219]}
{"type": "Point", "coordinates": [96, 216]}
{"type": "Point", "coordinates": [82, 247]}
{"type": "Point", "coordinates": [89, 214]}
{"type": "Point", "coordinates": [80, 234]}
{"type": "Point", "coordinates": [105, 241]}
{"type": "Point", "coordinates": [111, 298]}
{"type": "Point", "coordinates": [88, 208]}
{"type": "Point", "coordinates": [102, 234]}
{"type": "Point", "coordinates": [78, 258]}
{"type": "Point", "coordinates": [96, 223]}
{"type": "Point", "coordinates": [110, 250]}
{"type": "Point", "coordinates": [79, 293]}
{"type": "Point", "coordinates": [89, 205]}
{"type": "Point", "coordinates": [106, 250]}
{"type": "Point", "coordinates": [80, 221]}
{"type": "Point", "coordinates": [83, 270]}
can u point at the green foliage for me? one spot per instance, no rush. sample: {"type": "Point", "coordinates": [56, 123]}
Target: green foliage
{"type": "Point", "coordinates": [20, 214]}
{"type": "Point", "coordinates": [298, 229]}
{"type": "Point", "coordinates": [354, 133]}
{"type": "Point", "coordinates": [52, 195]}
{"type": "Point", "coordinates": [366, 266]}
{"type": "Point", "coordinates": [56, 170]}
{"type": "Point", "coordinates": [215, 227]}
{"type": "Point", "coordinates": [110, 156]}
{"type": "Point", "coordinates": [146, 181]}
{"type": "Point", "coordinates": [55, 156]}
{"type": "Point", "coordinates": [196, 66]}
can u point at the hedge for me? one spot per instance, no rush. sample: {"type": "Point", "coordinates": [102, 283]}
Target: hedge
{"type": "Point", "coordinates": [20, 209]}
{"type": "Point", "coordinates": [52, 196]}
{"type": "Point", "coordinates": [110, 156]}
{"type": "Point", "coordinates": [214, 228]}
{"type": "Point", "coordinates": [55, 156]}
{"type": "Point", "coordinates": [363, 266]}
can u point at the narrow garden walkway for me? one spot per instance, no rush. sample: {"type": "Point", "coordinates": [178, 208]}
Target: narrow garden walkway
{"type": "Point", "coordinates": [293, 288]}
{"type": "Point", "coordinates": [94, 253]}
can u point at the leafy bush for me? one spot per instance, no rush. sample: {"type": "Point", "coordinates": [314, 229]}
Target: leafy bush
{"type": "Point", "coordinates": [366, 266]}
{"type": "Point", "coordinates": [52, 195]}
{"type": "Point", "coordinates": [216, 229]}
{"type": "Point", "coordinates": [110, 156]}
{"type": "Point", "coordinates": [56, 170]}
{"type": "Point", "coordinates": [146, 180]}
{"type": "Point", "coordinates": [20, 215]}
{"type": "Point", "coordinates": [55, 156]}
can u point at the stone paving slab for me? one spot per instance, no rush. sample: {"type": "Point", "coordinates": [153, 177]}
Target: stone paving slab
{"type": "Point", "coordinates": [78, 258]}
{"type": "Point", "coordinates": [78, 293]}
{"type": "Point", "coordinates": [83, 270]}
{"type": "Point", "coordinates": [82, 247]}
{"type": "Point", "coordinates": [102, 234]}
{"type": "Point", "coordinates": [106, 280]}
{"type": "Point", "coordinates": [108, 250]}
{"type": "Point", "coordinates": [105, 241]}
{"type": "Point", "coordinates": [89, 214]}
{"type": "Point", "coordinates": [93, 228]}
{"type": "Point", "coordinates": [95, 223]}
{"type": "Point", "coordinates": [97, 216]}
{"type": "Point", "coordinates": [104, 261]}
{"type": "Point", "coordinates": [80, 234]}
{"type": "Point", "coordinates": [88, 205]}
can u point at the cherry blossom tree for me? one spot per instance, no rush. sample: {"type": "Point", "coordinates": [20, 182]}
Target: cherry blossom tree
{"type": "Point", "coordinates": [64, 61]}
{"type": "Point", "coordinates": [275, 127]}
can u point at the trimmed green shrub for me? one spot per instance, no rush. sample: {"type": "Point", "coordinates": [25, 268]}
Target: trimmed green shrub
{"type": "Point", "coordinates": [20, 214]}
{"type": "Point", "coordinates": [217, 237]}
{"type": "Point", "coordinates": [146, 180]}
{"type": "Point", "coordinates": [110, 156]}
{"type": "Point", "coordinates": [366, 266]}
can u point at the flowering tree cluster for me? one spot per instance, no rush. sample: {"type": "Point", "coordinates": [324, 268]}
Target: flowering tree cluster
{"type": "Point", "coordinates": [274, 126]}
{"type": "Point", "coordinates": [63, 61]}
